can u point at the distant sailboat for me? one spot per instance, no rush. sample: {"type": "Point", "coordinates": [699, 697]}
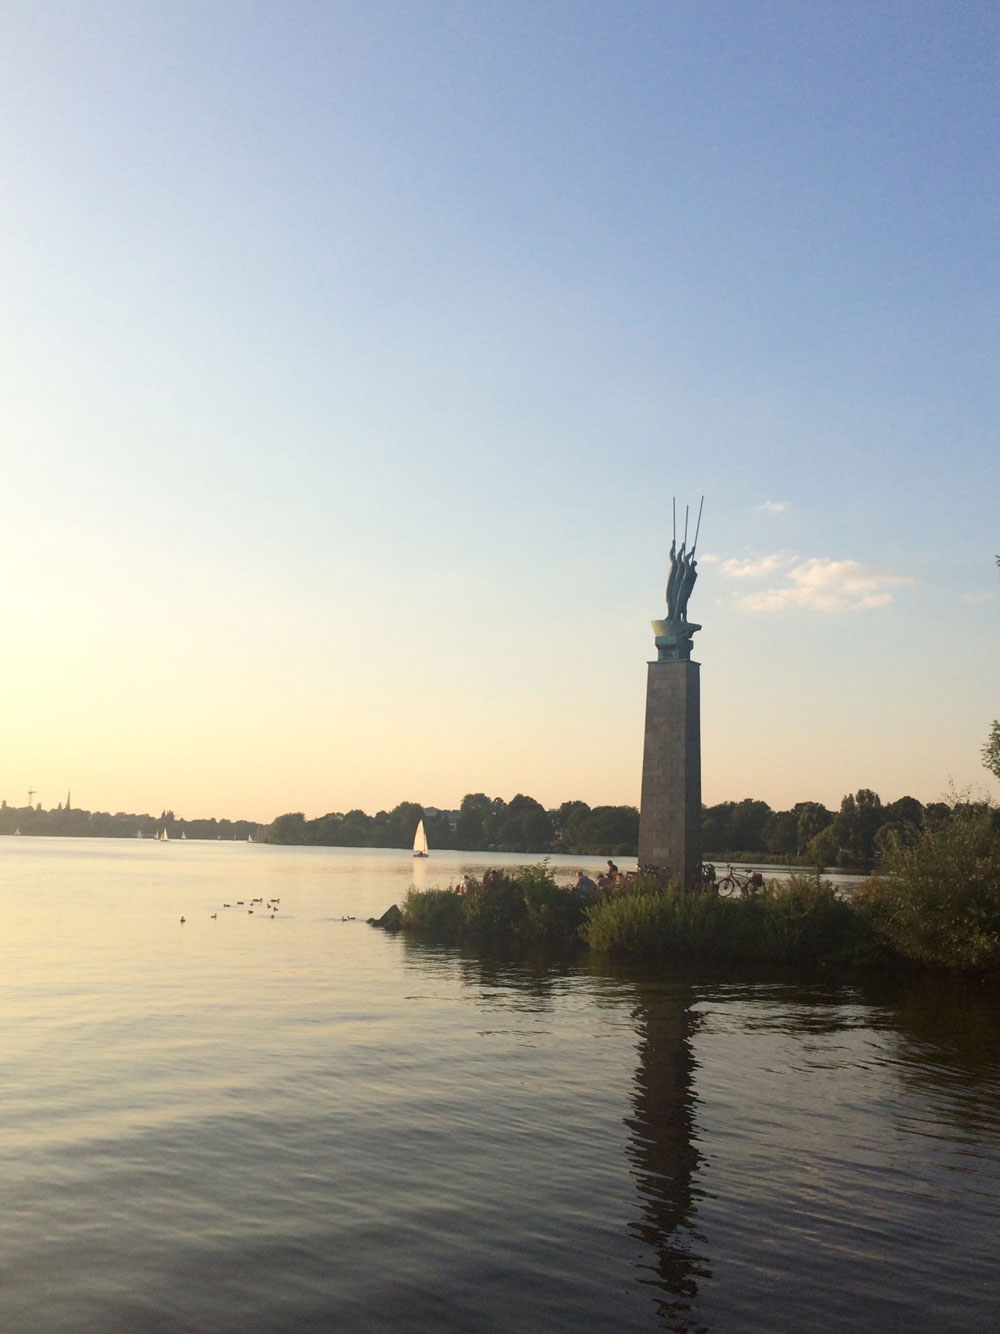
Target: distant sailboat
{"type": "Point", "coordinates": [17, 830]}
{"type": "Point", "coordinates": [249, 838]}
{"type": "Point", "coordinates": [163, 836]}
{"type": "Point", "coordinates": [420, 841]}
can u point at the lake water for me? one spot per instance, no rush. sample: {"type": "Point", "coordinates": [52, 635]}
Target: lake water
{"type": "Point", "coordinates": [298, 1123]}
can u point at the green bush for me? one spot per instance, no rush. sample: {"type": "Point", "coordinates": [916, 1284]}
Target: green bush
{"type": "Point", "coordinates": [526, 907]}
{"type": "Point", "coordinates": [433, 912]}
{"type": "Point", "coordinates": [799, 921]}
{"type": "Point", "coordinates": [937, 899]}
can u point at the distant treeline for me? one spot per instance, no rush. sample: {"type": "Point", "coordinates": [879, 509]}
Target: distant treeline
{"type": "Point", "coordinates": [72, 823]}
{"type": "Point", "coordinates": [481, 824]}
{"type": "Point", "coordinates": [855, 836]}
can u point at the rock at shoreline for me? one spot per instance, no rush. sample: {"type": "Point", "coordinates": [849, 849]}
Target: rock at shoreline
{"type": "Point", "coordinates": [391, 919]}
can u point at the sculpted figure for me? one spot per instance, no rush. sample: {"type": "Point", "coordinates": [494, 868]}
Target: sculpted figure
{"type": "Point", "coordinates": [683, 569]}
{"type": "Point", "coordinates": [674, 579]}
{"type": "Point", "coordinates": [688, 577]}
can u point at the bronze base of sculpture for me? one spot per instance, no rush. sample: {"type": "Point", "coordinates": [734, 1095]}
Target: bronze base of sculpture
{"type": "Point", "coordinates": [673, 639]}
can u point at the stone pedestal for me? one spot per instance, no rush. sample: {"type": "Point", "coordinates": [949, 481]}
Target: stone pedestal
{"type": "Point", "coordinates": [670, 811]}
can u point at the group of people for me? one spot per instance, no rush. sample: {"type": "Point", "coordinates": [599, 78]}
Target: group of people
{"type": "Point", "coordinates": [606, 883]}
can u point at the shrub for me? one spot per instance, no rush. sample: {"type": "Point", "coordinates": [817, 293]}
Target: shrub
{"type": "Point", "coordinates": [503, 909]}
{"type": "Point", "coordinates": [433, 912]}
{"type": "Point", "coordinates": [937, 900]}
{"type": "Point", "coordinates": [801, 920]}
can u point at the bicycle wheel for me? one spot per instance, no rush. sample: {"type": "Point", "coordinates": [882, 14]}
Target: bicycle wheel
{"type": "Point", "coordinates": [728, 886]}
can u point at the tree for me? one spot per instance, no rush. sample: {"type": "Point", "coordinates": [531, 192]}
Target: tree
{"type": "Point", "coordinates": [715, 824]}
{"type": "Point", "coordinates": [402, 824]}
{"type": "Point", "coordinates": [904, 811]}
{"type": "Point", "coordinates": [326, 830]}
{"type": "Point", "coordinates": [781, 834]}
{"type": "Point", "coordinates": [439, 831]}
{"type": "Point", "coordinates": [822, 848]}
{"type": "Point", "coordinates": [524, 826]}
{"type": "Point", "coordinates": [856, 825]}
{"type": "Point", "coordinates": [991, 751]}
{"type": "Point", "coordinates": [747, 824]}
{"type": "Point", "coordinates": [938, 897]}
{"type": "Point", "coordinates": [569, 815]}
{"type": "Point", "coordinates": [290, 828]}
{"type": "Point", "coordinates": [813, 817]}
{"type": "Point", "coordinates": [355, 830]}
{"type": "Point", "coordinates": [608, 829]}
{"type": "Point", "coordinates": [473, 822]}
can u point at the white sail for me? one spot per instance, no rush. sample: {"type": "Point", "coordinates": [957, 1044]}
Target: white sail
{"type": "Point", "coordinates": [420, 841]}
{"type": "Point", "coordinates": [163, 836]}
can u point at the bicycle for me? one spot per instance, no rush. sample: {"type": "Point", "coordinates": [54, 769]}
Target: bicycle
{"type": "Point", "coordinates": [734, 882]}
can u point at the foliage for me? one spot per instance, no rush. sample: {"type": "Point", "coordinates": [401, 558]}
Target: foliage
{"type": "Point", "coordinates": [436, 913]}
{"type": "Point", "coordinates": [525, 907]}
{"type": "Point", "coordinates": [937, 900]}
{"type": "Point", "coordinates": [524, 825]}
{"type": "Point", "coordinates": [855, 827]}
{"type": "Point", "coordinates": [750, 826]}
{"type": "Point", "coordinates": [601, 831]}
{"type": "Point", "coordinates": [800, 921]}
{"type": "Point", "coordinates": [822, 848]}
{"type": "Point", "coordinates": [356, 829]}
{"type": "Point", "coordinates": [991, 751]}
{"type": "Point", "coordinates": [78, 823]}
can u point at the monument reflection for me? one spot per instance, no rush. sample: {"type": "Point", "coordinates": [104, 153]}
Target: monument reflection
{"type": "Point", "coordinates": [663, 1153]}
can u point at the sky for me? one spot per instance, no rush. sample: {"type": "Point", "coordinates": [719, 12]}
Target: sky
{"type": "Point", "coordinates": [353, 356]}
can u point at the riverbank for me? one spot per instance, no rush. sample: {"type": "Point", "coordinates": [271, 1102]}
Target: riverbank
{"type": "Point", "coordinates": [937, 906]}
{"type": "Point", "coordinates": [795, 921]}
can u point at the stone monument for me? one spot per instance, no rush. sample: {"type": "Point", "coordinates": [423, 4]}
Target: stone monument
{"type": "Point", "coordinates": [670, 807]}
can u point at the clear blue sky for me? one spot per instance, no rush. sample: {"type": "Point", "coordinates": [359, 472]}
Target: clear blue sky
{"type": "Point", "coordinates": [352, 354]}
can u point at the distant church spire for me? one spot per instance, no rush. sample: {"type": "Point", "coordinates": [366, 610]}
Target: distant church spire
{"type": "Point", "coordinates": [66, 807]}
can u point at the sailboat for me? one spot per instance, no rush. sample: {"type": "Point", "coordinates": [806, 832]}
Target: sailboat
{"type": "Point", "coordinates": [163, 836]}
{"type": "Point", "coordinates": [420, 841]}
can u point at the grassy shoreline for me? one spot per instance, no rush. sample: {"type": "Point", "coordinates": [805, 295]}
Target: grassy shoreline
{"type": "Point", "coordinates": [934, 905]}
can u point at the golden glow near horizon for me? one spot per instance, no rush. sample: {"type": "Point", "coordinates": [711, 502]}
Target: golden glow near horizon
{"type": "Point", "coordinates": [348, 371]}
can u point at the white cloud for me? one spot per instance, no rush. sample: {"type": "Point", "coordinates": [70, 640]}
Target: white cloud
{"type": "Point", "coordinates": [821, 584]}
{"type": "Point", "coordinates": [752, 567]}
{"type": "Point", "coordinates": [774, 506]}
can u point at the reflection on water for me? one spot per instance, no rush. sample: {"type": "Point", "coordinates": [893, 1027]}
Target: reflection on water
{"type": "Point", "coordinates": [302, 1123]}
{"type": "Point", "coordinates": [663, 1153]}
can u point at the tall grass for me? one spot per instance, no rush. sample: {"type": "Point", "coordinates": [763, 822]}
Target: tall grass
{"type": "Point", "coordinates": [936, 903]}
{"type": "Point", "coordinates": [799, 921]}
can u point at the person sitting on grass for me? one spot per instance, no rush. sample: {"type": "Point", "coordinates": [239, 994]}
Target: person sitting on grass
{"type": "Point", "coordinates": [585, 886]}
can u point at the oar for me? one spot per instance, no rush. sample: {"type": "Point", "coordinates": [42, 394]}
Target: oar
{"type": "Point", "coordinates": [698, 528]}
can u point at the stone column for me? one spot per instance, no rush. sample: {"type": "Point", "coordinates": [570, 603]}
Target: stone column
{"type": "Point", "coordinates": [670, 812]}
